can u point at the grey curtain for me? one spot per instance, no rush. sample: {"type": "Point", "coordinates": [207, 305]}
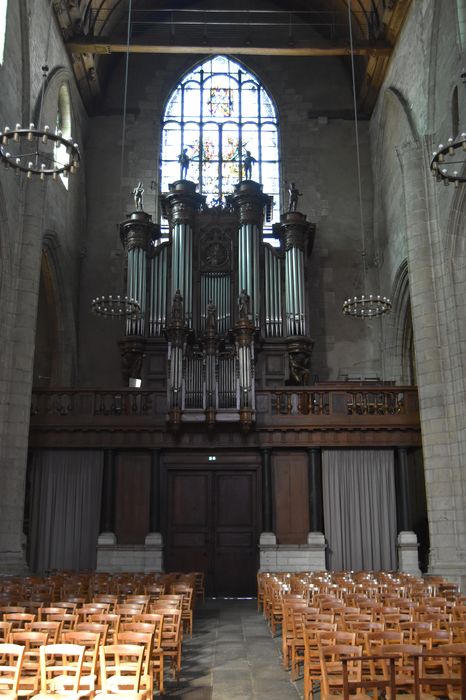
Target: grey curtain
{"type": "Point", "coordinates": [359, 509]}
{"type": "Point", "coordinates": [65, 498]}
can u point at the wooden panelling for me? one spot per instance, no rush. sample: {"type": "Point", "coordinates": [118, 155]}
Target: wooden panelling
{"type": "Point", "coordinates": [132, 496]}
{"type": "Point", "coordinates": [291, 494]}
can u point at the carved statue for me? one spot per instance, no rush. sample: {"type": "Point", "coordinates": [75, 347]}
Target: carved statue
{"type": "Point", "coordinates": [211, 318]}
{"type": "Point", "coordinates": [184, 160]}
{"type": "Point", "coordinates": [177, 307]}
{"type": "Point", "coordinates": [299, 368]}
{"type": "Point", "coordinates": [243, 303]}
{"type": "Point", "coordinates": [248, 162]}
{"type": "Point", "coordinates": [293, 194]}
{"type": "Point", "coordinates": [138, 194]}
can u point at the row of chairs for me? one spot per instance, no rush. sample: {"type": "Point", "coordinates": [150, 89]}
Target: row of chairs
{"type": "Point", "coordinates": [374, 613]}
{"type": "Point", "coordinates": [154, 620]}
{"type": "Point", "coordinates": [63, 585]}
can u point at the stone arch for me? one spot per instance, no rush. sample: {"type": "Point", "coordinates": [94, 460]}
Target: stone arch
{"type": "Point", "coordinates": [402, 355]}
{"type": "Point", "coordinates": [55, 352]}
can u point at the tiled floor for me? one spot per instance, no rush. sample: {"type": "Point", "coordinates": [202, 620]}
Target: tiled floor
{"type": "Point", "coordinates": [232, 656]}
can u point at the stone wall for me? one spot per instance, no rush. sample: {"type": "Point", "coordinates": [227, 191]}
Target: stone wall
{"type": "Point", "coordinates": [30, 211]}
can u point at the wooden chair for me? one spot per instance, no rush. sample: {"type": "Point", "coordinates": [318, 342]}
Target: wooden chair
{"type": "Point", "coordinates": [11, 660]}
{"type": "Point", "coordinates": [311, 654]}
{"type": "Point", "coordinates": [155, 628]}
{"type": "Point", "coordinates": [146, 639]}
{"type": "Point", "coordinates": [5, 629]}
{"type": "Point", "coordinates": [331, 669]}
{"type": "Point", "coordinates": [51, 628]}
{"type": "Point", "coordinates": [95, 627]}
{"type": "Point", "coordinates": [91, 642]}
{"type": "Point", "coordinates": [187, 603]}
{"type": "Point", "coordinates": [110, 619]}
{"type": "Point", "coordinates": [19, 621]}
{"type": "Point", "coordinates": [121, 671]}
{"type": "Point", "coordinates": [60, 671]}
{"type": "Point", "coordinates": [30, 672]}
{"type": "Point", "coordinates": [68, 621]}
{"type": "Point", "coordinates": [172, 639]}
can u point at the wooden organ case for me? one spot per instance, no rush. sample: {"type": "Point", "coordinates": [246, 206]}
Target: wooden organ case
{"type": "Point", "coordinates": [222, 310]}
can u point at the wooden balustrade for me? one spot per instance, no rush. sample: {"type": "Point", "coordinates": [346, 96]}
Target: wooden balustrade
{"type": "Point", "coordinates": [387, 414]}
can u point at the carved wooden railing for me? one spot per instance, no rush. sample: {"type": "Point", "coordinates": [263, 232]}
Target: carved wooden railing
{"type": "Point", "coordinates": [339, 403]}
{"type": "Point", "coordinates": [342, 405]}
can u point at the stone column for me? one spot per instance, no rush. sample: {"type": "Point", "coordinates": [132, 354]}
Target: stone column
{"type": "Point", "coordinates": [249, 202]}
{"type": "Point", "coordinates": [180, 205]}
{"type": "Point", "coordinates": [440, 372]}
{"type": "Point", "coordinates": [461, 10]}
{"type": "Point", "coordinates": [25, 221]}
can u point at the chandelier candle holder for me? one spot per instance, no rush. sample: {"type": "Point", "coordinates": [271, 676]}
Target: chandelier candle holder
{"type": "Point", "coordinates": [35, 151]}
{"type": "Point", "coordinates": [367, 306]}
{"type": "Point", "coordinates": [447, 164]}
{"type": "Point", "coordinates": [116, 306]}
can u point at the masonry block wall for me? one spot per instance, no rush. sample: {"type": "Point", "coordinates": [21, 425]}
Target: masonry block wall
{"type": "Point", "coordinates": [32, 214]}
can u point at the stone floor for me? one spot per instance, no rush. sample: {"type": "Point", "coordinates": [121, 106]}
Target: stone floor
{"type": "Point", "coordinates": [232, 656]}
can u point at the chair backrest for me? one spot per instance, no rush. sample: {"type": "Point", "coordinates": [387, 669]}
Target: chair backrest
{"type": "Point", "coordinates": [121, 667]}
{"type": "Point", "coordinates": [11, 656]}
{"type": "Point", "coordinates": [52, 628]}
{"type": "Point", "coordinates": [99, 627]}
{"type": "Point", "coordinates": [19, 620]}
{"type": "Point", "coordinates": [60, 667]}
{"type": "Point", "coordinates": [90, 641]}
{"type": "Point", "coordinates": [144, 638]}
{"type": "Point", "coordinates": [5, 629]}
{"type": "Point", "coordinates": [68, 620]}
{"type": "Point", "coordinates": [331, 665]}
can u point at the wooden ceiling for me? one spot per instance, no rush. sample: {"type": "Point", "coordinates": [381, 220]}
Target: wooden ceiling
{"type": "Point", "coordinates": [95, 29]}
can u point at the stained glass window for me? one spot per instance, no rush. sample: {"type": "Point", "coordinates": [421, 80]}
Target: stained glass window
{"type": "Point", "coordinates": [219, 112]}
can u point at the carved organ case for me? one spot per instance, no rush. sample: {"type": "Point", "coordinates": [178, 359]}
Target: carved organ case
{"type": "Point", "coordinates": [222, 311]}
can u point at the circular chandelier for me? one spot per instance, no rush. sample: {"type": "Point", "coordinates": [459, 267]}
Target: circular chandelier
{"type": "Point", "coordinates": [38, 151]}
{"type": "Point", "coordinates": [367, 306]}
{"type": "Point", "coordinates": [116, 306]}
{"type": "Point", "coordinates": [448, 162]}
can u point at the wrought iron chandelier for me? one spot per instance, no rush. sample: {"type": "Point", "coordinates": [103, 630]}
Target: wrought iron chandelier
{"type": "Point", "coordinates": [116, 306]}
{"type": "Point", "coordinates": [35, 150]}
{"type": "Point", "coordinates": [366, 305]}
{"type": "Point", "coordinates": [447, 164]}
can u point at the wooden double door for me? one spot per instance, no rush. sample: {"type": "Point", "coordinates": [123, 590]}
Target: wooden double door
{"type": "Point", "coordinates": [211, 524]}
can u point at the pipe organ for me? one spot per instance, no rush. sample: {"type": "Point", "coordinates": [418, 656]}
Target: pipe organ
{"type": "Point", "coordinates": [221, 308]}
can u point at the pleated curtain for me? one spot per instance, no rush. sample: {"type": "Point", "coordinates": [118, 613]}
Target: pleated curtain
{"type": "Point", "coordinates": [359, 509]}
{"type": "Point", "coordinates": [64, 509]}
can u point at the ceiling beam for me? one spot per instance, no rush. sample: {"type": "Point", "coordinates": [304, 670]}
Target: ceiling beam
{"type": "Point", "coordinates": [98, 46]}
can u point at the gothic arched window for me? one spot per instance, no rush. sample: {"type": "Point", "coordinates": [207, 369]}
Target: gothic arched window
{"type": "Point", "coordinates": [63, 124]}
{"type": "Point", "coordinates": [219, 112]}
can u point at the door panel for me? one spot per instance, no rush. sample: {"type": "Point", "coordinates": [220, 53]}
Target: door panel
{"type": "Point", "coordinates": [212, 525]}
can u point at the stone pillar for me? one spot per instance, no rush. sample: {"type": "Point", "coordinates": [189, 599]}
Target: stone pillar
{"type": "Point", "coordinates": [249, 202]}
{"type": "Point", "coordinates": [28, 206]}
{"type": "Point", "coordinates": [316, 506]}
{"type": "Point", "coordinates": [440, 365]}
{"type": "Point", "coordinates": [179, 206]}
{"type": "Point", "coordinates": [267, 493]}
{"type": "Point", "coordinates": [408, 558]}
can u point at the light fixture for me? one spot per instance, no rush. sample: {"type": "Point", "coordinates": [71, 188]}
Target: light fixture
{"type": "Point", "coordinates": [447, 164]}
{"type": "Point", "coordinates": [366, 305]}
{"type": "Point", "coordinates": [116, 306]}
{"type": "Point", "coordinates": [35, 150]}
